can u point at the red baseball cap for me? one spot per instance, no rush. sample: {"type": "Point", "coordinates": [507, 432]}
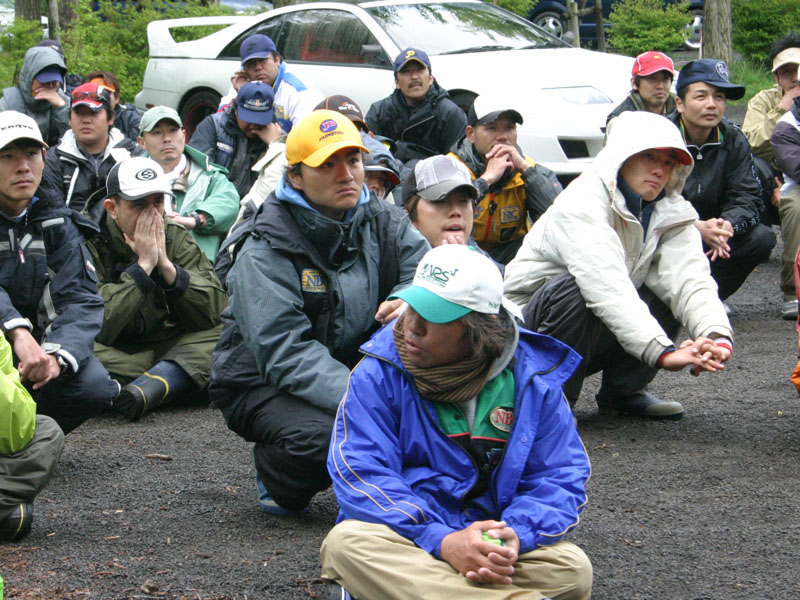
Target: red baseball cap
{"type": "Point", "coordinates": [651, 62]}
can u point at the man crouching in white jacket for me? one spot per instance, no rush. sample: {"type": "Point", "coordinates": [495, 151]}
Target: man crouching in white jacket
{"type": "Point", "coordinates": [615, 267]}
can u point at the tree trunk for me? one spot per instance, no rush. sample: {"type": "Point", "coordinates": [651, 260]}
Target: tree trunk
{"type": "Point", "coordinates": [67, 12]}
{"type": "Point", "coordinates": [717, 27]}
{"type": "Point", "coordinates": [601, 30]}
{"type": "Point", "coordinates": [53, 23]}
{"type": "Point", "coordinates": [572, 24]}
{"type": "Point", "coordinates": [28, 10]}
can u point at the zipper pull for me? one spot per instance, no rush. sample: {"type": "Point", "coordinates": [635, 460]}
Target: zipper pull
{"type": "Point", "coordinates": [21, 256]}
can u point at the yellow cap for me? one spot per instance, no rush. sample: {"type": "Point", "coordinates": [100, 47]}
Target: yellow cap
{"type": "Point", "coordinates": [319, 135]}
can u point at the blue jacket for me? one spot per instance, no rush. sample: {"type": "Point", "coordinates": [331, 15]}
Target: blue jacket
{"type": "Point", "coordinates": [390, 462]}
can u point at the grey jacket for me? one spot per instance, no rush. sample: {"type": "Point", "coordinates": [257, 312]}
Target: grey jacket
{"type": "Point", "coordinates": [52, 121]}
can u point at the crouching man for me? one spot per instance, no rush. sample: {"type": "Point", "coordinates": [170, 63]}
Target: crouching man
{"type": "Point", "coordinates": [454, 457]}
{"type": "Point", "coordinates": [616, 266]}
{"type": "Point", "coordinates": [162, 297]}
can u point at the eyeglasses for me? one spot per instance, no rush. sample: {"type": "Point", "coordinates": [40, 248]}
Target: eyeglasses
{"type": "Point", "coordinates": [98, 96]}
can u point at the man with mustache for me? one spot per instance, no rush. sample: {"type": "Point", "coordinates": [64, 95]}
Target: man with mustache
{"type": "Point", "coordinates": [419, 116]}
{"type": "Point", "coordinates": [310, 276]}
{"type": "Point", "coordinates": [206, 203]}
{"type": "Point", "coordinates": [722, 187]}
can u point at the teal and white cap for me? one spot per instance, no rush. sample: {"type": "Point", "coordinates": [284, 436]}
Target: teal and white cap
{"type": "Point", "coordinates": [453, 280]}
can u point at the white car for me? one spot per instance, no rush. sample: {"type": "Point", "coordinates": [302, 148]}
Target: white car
{"type": "Point", "coordinates": [563, 93]}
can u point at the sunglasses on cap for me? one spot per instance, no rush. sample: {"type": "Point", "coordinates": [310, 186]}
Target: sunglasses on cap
{"type": "Point", "coordinates": [97, 96]}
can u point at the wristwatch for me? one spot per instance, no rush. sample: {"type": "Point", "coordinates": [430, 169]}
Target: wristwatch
{"type": "Point", "coordinates": [198, 222]}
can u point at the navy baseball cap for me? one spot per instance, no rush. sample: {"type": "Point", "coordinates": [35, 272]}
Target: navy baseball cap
{"type": "Point", "coordinates": [48, 74]}
{"type": "Point", "coordinates": [711, 71]}
{"type": "Point", "coordinates": [409, 54]}
{"type": "Point", "coordinates": [254, 104]}
{"type": "Point", "coordinates": [257, 46]}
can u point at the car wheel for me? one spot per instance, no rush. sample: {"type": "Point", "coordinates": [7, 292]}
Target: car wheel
{"type": "Point", "coordinates": [551, 22]}
{"type": "Point", "coordinates": [197, 106]}
{"type": "Point", "coordinates": [692, 33]}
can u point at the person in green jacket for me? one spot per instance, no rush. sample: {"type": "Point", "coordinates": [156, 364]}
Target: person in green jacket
{"type": "Point", "coordinates": [162, 298]}
{"type": "Point", "coordinates": [206, 202]}
{"type": "Point", "coordinates": [30, 446]}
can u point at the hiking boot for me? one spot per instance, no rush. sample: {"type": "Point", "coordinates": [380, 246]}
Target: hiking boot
{"type": "Point", "coordinates": [789, 310]}
{"type": "Point", "coordinates": [641, 404]}
{"type": "Point", "coordinates": [337, 592]}
{"type": "Point", "coordinates": [18, 524]}
{"type": "Point", "coordinates": [158, 385]}
{"type": "Point", "coordinates": [268, 505]}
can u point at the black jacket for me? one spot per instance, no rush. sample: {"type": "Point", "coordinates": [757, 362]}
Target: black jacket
{"type": "Point", "coordinates": [219, 137]}
{"type": "Point", "coordinates": [433, 126]}
{"type": "Point", "coordinates": [723, 182]}
{"type": "Point", "coordinates": [47, 279]}
{"type": "Point", "coordinates": [69, 174]}
{"type": "Point", "coordinates": [127, 119]}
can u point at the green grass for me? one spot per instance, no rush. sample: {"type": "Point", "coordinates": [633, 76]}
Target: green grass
{"type": "Point", "coordinates": [755, 77]}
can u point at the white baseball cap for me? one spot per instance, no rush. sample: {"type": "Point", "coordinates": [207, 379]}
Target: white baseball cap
{"type": "Point", "coordinates": [17, 126]}
{"type": "Point", "coordinates": [453, 280]}
{"type": "Point", "coordinates": [137, 177]}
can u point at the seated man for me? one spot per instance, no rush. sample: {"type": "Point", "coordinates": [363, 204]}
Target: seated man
{"type": "Point", "coordinates": [419, 116]}
{"type": "Point", "coordinates": [456, 476]}
{"type": "Point", "coordinates": [126, 116]}
{"type": "Point", "coordinates": [764, 110]}
{"type": "Point", "coordinates": [206, 203]}
{"type": "Point", "coordinates": [722, 187]}
{"type": "Point", "coordinates": [309, 278]}
{"type": "Point", "coordinates": [50, 311]}
{"type": "Point", "coordinates": [616, 266]}
{"type": "Point", "coordinates": [236, 137]}
{"type": "Point", "coordinates": [261, 61]}
{"type": "Point", "coordinates": [512, 188]}
{"type": "Point", "coordinates": [38, 93]}
{"type": "Point", "coordinates": [77, 168]}
{"type": "Point", "coordinates": [162, 297]}
{"type": "Point", "coordinates": [30, 446]}
{"type": "Point", "coordinates": [651, 79]}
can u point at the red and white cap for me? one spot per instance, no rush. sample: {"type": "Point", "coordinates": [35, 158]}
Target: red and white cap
{"type": "Point", "coordinates": [651, 62]}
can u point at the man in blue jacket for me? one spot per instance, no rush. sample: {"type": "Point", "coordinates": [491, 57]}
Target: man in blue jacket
{"type": "Point", "coordinates": [454, 456]}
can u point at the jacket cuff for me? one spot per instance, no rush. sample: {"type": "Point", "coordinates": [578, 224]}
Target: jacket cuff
{"type": "Point", "coordinates": [657, 346]}
{"type": "Point", "coordinates": [17, 322]}
{"type": "Point", "coordinates": [483, 187]}
{"type": "Point", "coordinates": [142, 279]}
{"type": "Point", "coordinates": [178, 287]}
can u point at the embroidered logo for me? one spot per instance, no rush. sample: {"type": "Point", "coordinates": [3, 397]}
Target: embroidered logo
{"type": "Point", "coordinates": [436, 275]}
{"type": "Point", "coordinates": [312, 281]}
{"type": "Point", "coordinates": [509, 214]}
{"type": "Point", "coordinates": [722, 69]}
{"type": "Point", "coordinates": [327, 125]}
{"type": "Point", "coordinates": [147, 174]}
{"type": "Point", "coordinates": [502, 419]}
{"type": "Point", "coordinates": [410, 53]}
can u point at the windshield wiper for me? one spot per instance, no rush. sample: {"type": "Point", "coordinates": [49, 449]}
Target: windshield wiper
{"type": "Point", "coordinates": [478, 49]}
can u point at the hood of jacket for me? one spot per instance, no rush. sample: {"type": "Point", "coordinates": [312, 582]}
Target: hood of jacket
{"type": "Point", "coordinates": [36, 59]}
{"type": "Point", "coordinates": [634, 132]}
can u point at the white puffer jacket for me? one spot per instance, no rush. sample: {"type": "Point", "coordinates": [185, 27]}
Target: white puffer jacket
{"type": "Point", "coordinates": [590, 232]}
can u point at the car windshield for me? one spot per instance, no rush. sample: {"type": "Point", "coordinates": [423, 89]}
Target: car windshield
{"type": "Point", "coordinates": [455, 28]}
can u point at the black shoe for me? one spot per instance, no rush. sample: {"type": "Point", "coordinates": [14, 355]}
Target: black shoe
{"type": "Point", "coordinates": [131, 402]}
{"type": "Point", "coordinates": [160, 384]}
{"type": "Point", "coordinates": [641, 404]}
{"type": "Point", "coordinates": [18, 524]}
{"type": "Point", "coordinates": [337, 592]}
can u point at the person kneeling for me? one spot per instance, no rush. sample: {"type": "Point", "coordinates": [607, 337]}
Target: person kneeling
{"type": "Point", "coordinates": [454, 457]}
{"type": "Point", "coordinates": [162, 298]}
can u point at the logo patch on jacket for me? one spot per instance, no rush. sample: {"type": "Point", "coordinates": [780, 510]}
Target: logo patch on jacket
{"type": "Point", "coordinates": [312, 281]}
{"type": "Point", "coordinates": [509, 214]}
{"type": "Point", "coordinates": [502, 418]}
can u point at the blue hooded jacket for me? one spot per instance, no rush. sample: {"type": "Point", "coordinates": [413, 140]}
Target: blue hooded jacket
{"type": "Point", "coordinates": [391, 463]}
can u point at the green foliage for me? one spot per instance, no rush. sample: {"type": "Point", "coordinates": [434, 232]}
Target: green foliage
{"type": "Point", "coordinates": [757, 24]}
{"type": "Point", "coordinates": [752, 76]}
{"type": "Point", "coordinates": [641, 25]}
{"type": "Point", "coordinates": [521, 7]}
{"type": "Point", "coordinates": [112, 38]}
{"type": "Point", "coordinates": [15, 40]}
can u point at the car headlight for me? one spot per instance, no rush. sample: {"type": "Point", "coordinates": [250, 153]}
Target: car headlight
{"type": "Point", "coordinates": [585, 94]}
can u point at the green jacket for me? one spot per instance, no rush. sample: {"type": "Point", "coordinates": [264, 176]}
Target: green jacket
{"type": "Point", "coordinates": [17, 408]}
{"type": "Point", "coordinates": [141, 308]}
{"type": "Point", "coordinates": [207, 190]}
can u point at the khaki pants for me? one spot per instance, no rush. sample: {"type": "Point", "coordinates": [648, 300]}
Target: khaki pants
{"type": "Point", "coordinates": [789, 209]}
{"type": "Point", "coordinates": [374, 563]}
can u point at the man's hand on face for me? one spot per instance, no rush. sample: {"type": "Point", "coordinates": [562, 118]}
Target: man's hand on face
{"type": "Point", "coordinates": [34, 364]}
{"type": "Point", "coordinates": [496, 166]}
{"type": "Point", "coordinates": [165, 267]}
{"type": "Point", "coordinates": [517, 161]}
{"type": "Point", "coordinates": [238, 79]}
{"type": "Point", "coordinates": [50, 94]}
{"type": "Point", "coordinates": [787, 102]}
{"type": "Point", "coordinates": [269, 133]}
{"type": "Point", "coordinates": [479, 560]}
{"type": "Point", "coordinates": [144, 242]}
{"type": "Point", "coordinates": [715, 234]}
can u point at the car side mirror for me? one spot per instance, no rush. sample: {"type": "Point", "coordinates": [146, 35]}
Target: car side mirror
{"type": "Point", "coordinates": [373, 54]}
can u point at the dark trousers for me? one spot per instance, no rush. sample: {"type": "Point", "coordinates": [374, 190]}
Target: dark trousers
{"type": "Point", "coordinates": [748, 250]}
{"type": "Point", "coordinates": [559, 310]}
{"type": "Point", "coordinates": [74, 400]}
{"type": "Point", "coordinates": [291, 443]}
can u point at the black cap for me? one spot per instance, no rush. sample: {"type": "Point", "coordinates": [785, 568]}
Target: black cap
{"type": "Point", "coordinates": [711, 71]}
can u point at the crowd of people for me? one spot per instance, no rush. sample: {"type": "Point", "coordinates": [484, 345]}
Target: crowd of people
{"type": "Point", "coordinates": [401, 304]}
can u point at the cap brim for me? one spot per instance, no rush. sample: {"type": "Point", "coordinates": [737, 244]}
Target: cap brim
{"type": "Point", "coordinates": [48, 77]}
{"type": "Point", "coordinates": [256, 55]}
{"type": "Point", "coordinates": [429, 306]}
{"type": "Point", "coordinates": [437, 192]}
{"type": "Point", "coordinates": [732, 91]}
{"type": "Point", "coordinates": [393, 177]}
{"type": "Point", "coordinates": [405, 62]}
{"type": "Point", "coordinates": [682, 155]}
{"type": "Point", "coordinates": [152, 126]}
{"type": "Point", "coordinates": [655, 69]}
{"type": "Point", "coordinates": [24, 137]}
{"type": "Point", "coordinates": [94, 106]}
{"type": "Point", "coordinates": [496, 114]}
{"type": "Point", "coordinates": [512, 309]}
{"type": "Point", "coordinates": [134, 197]}
{"type": "Point", "coordinates": [318, 157]}
{"type": "Point", "coordinates": [253, 116]}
